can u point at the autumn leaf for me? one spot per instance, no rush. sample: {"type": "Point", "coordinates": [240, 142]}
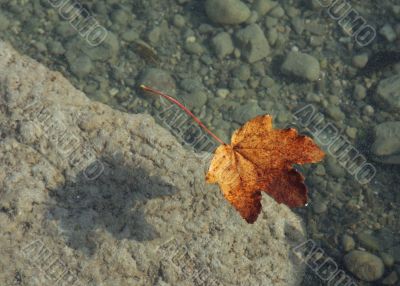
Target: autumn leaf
{"type": "Point", "coordinates": [260, 158]}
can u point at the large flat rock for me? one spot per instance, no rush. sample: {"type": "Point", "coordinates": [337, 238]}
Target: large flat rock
{"type": "Point", "coordinates": [93, 196]}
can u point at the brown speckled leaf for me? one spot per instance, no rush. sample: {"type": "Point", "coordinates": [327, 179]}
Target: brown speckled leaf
{"type": "Point", "coordinates": [260, 158]}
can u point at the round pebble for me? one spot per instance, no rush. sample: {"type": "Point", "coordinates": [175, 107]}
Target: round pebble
{"type": "Point", "coordinates": [319, 205]}
{"type": "Point", "coordinates": [222, 92]}
{"type": "Point", "coordinates": [179, 21]}
{"type": "Point", "coordinates": [227, 11]}
{"type": "Point", "coordinates": [223, 44]}
{"type": "Point", "coordinates": [277, 12]}
{"type": "Point", "coordinates": [368, 110]}
{"type": "Point", "coordinates": [351, 132]}
{"type": "Point", "coordinates": [81, 66]}
{"type": "Point", "coordinates": [360, 92]}
{"type": "Point", "coordinates": [301, 65]}
{"type": "Point", "coordinates": [364, 265]}
{"type": "Point", "coordinates": [359, 61]}
{"type": "Point", "coordinates": [242, 72]}
{"type": "Point", "coordinates": [387, 259]}
{"type": "Point", "coordinates": [348, 243]}
{"type": "Point", "coordinates": [262, 7]}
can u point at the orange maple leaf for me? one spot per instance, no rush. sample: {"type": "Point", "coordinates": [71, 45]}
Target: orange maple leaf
{"type": "Point", "coordinates": [260, 158]}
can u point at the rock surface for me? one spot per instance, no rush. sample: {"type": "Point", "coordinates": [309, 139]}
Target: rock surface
{"type": "Point", "coordinates": [386, 146]}
{"type": "Point", "coordinates": [223, 44]}
{"type": "Point", "coordinates": [94, 196]}
{"type": "Point", "coordinates": [262, 7]}
{"type": "Point", "coordinates": [301, 65]}
{"type": "Point", "coordinates": [364, 265]}
{"type": "Point", "coordinates": [388, 91]}
{"type": "Point", "coordinates": [254, 46]}
{"type": "Point", "coordinates": [227, 11]}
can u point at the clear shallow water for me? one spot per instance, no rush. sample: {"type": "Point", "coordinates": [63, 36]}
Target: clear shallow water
{"type": "Point", "coordinates": [227, 74]}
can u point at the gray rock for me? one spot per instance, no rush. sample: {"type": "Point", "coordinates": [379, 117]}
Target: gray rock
{"type": "Point", "coordinates": [227, 11]}
{"type": "Point", "coordinates": [368, 110]}
{"type": "Point", "coordinates": [245, 112]}
{"type": "Point", "coordinates": [154, 35]}
{"type": "Point", "coordinates": [336, 113]}
{"type": "Point", "coordinates": [65, 29]}
{"type": "Point", "coordinates": [222, 92]}
{"type": "Point", "coordinates": [333, 167]}
{"type": "Point", "coordinates": [107, 50]}
{"type": "Point", "coordinates": [112, 42]}
{"type": "Point", "coordinates": [359, 61]}
{"type": "Point", "coordinates": [272, 36]}
{"type": "Point", "coordinates": [277, 12]}
{"type": "Point", "coordinates": [395, 251]}
{"type": "Point", "coordinates": [253, 18]}
{"type": "Point", "coordinates": [262, 7]}
{"type": "Point", "coordinates": [158, 79]}
{"type": "Point", "coordinates": [391, 279]}
{"type": "Point", "coordinates": [351, 132]}
{"type": "Point", "coordinates": [4, 22]}
{"type": "Point", "coordinates": [179, 21]}
{"type": "Point", "coordinates": [360, 92]}
{"type": "Point", "coordinates": [348, 243]}
{"type": "Point", "coordinates": [301, 65]}
{"type": "Point", "coordinates": [364, 265]}
{"type": "Point", "coordinates": [396, 11]}
{"type": "Point", "coordinates": [222, 44]}
{"type": "Point", "coordinates": [315, 4]}
{"type": "Point", "coordinates": [388, 91]}
{"type": "Point", "coordinates": [387, 259]}
{"type": "Point", "coordinates": [386, 146]}
{"type": "Point", "coordinates": [80, 66]}
{"type": "Point", "coordinates": [298, 25]}
{"type": "Point", "coordinates": [194, 48]}
{"type": "Point", "coordinates": [242, 72]}
{"type": "Point", "coordinates": [252, 42]}
{"type": "Point", "coordinates": [315, 28]}
{"type": "Point", "coordinates": [271, 22]}
{"type": "Point", "coordinates": [120, 17]}
{"type": "Point", "coordinates": [55, 47]}
{"type": "Point", "coordinates": [130, 35]}
{"type": "Point", "coordinates": [319, 205]}
{"type": "Point", "coordinates": [119, 194]}
{"type": "Point", "coordinates": [102, 52]}
{"type": "Point", "coordinates": [368, 241]}
{"type": "Point", "coordinates": [388, 32]}
{"type": "Point", "coordinates": [195, 95]}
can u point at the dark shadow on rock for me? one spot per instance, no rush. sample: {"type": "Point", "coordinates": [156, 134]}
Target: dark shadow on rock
{"type": "Point", "coordinates": [298, 242]}
{"type": "Point", "coordinates": [111, 199]}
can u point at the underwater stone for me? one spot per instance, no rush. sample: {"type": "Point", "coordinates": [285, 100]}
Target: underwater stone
{"type": "Point", "coordinates": [388, 91]}
{"type": "Point", "coordinates": [227, 11]}
{"type": "Point", "coordinates": [253, 43]}
{"type": "Point", "coordinates": [222, 44]}
{"type": "Point", "coordinates": [364, 265]}
{"type": "Point", "coordinates": [301, 65]}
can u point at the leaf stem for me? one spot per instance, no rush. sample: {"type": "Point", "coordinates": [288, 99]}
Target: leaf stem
{"type": "Point", "coordinates": [181, 106]}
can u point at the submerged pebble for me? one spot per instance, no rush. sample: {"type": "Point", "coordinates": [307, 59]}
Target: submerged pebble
{"type": "Point", "coordinates": [364, 265]}
{"type": "Point", "coordinates": [227, 11]}
{"type": "Point", "coordinates": [301, 65]}
{"type": "Point", "coordinates": [253, 43]}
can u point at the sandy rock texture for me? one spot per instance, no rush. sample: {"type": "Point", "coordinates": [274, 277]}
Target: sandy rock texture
{"type": "Point", "coordinates": [93, 196]}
